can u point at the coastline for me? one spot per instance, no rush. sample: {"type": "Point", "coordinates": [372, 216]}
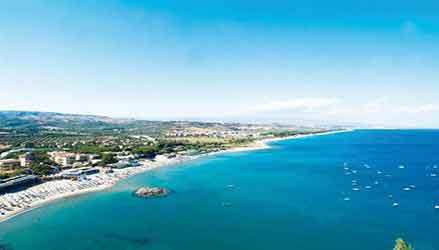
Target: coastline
{"type": "Point", "coordinates": [265, 143]}
{"type": "Point", "coordinates": [100, 182]}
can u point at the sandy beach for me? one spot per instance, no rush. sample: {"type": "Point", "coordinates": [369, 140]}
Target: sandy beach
{"type": "Point", "coordinates": [12, 204]}
{"type": "Point", "coordinates": [264, 143]}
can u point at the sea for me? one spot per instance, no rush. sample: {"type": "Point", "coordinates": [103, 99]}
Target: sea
{"type": "Point", "coordinates": [346, 191]}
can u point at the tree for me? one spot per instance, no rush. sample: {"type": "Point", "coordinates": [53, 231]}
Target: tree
{"type": "Point", "coordinates": [41, 169]}
{"type": "Point", "coordinates": [108, 159]}
{"type": "Point", "coordinates": [400, 244]}
{"type": "Point", "coordinates": [146, 151]}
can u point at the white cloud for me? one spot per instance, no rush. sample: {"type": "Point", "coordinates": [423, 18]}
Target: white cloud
{"type": "Point", "coordinates": [304, 104]}
{"type": "Point", "coordinates": [376, 105]}
{"type": "Point", "coordinates": [382, 111]}
{"type": "Point", "coordinates": [427, 108]}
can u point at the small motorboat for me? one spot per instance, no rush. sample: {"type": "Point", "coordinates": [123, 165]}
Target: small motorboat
{"type": "Point", "coordinates": [226, 204]}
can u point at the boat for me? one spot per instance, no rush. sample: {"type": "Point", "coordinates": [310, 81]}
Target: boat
{"type": "Point", "coordinates": [347, 199]}
{"type": "Point", "coordinates": [395, 204]}
{"type": "Point", "coordinates": [226, 204]}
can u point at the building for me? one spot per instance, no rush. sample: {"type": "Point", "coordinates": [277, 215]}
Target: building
{"type": "Point", "coordinates": [64, 159]}
{"type": "Point", "coordinates": [10, 163]}
{"type": "Point", "coordinates": [18, 182]}
{"type": "Point", "coordinates": [90, 171]}
{"type": "Point", "coordinates": [120, 164]}
{"type": "Point", "coordinates": [79, 172]}
{"type": "Point", "coordinates": [82, 157]}
{"type": "Point", "coordinates": [26, 159]}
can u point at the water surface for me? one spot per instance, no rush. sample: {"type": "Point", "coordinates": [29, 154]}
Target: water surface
{"type": "Point", "coordinates": [289, 196]}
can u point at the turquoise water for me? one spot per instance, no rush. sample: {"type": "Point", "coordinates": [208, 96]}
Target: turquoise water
{"type": "Point", "coordinates": [290, 197]}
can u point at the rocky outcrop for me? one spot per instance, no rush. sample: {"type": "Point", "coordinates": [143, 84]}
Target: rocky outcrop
{"type": "Point", "coordinates": [149, 192]}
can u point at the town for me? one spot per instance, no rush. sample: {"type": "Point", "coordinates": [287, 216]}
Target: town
{"type": "Point", "coordinates": [52, 158]}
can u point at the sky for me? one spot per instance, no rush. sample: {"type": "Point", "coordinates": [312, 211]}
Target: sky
{"type": "Point", "coordinates": [366, 62]}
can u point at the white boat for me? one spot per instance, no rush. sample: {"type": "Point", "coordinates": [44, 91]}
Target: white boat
{"type": "Point", "coordinates": [226, 204]}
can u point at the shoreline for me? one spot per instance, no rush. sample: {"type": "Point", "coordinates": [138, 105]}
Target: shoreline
{"type": "Point", "coordinates": [45, 193]}
{"type": "Point", "coordinates": [96, 183]}
{"type": "Point", "coordinates": [265, 143]}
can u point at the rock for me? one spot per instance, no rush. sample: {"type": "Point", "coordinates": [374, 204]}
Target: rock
{"type": "Point", "coordinates": [149, 192]}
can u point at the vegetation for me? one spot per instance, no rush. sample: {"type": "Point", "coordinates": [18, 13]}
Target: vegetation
{"type": "Point", "coordinates": [91, 149]}
{"type": "Point", "coordinates": [5, 176]}
{"type": "Point", "coordinates": [106, 137]}
{"type": "Point", "coordinates": [400, 244]}
{"type": "Point", "coordinates": [146, 151]}
{"type": "Point", "coordinates": [41, 169]}
{"type": "Point", "coordinates": [108, 158]}
{"type": "Point", "coordinates": [41, 163]}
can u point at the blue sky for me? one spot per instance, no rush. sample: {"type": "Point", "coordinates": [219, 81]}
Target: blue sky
{"type": "Point", "coordinates": [372, 62]}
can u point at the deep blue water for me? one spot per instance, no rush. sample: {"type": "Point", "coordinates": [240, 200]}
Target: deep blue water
{"type": "Point", "coordinates": [289, 197]}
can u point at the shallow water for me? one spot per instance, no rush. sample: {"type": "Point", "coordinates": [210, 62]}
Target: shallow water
{"type": "Point", "coordinates": [289, 196]}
